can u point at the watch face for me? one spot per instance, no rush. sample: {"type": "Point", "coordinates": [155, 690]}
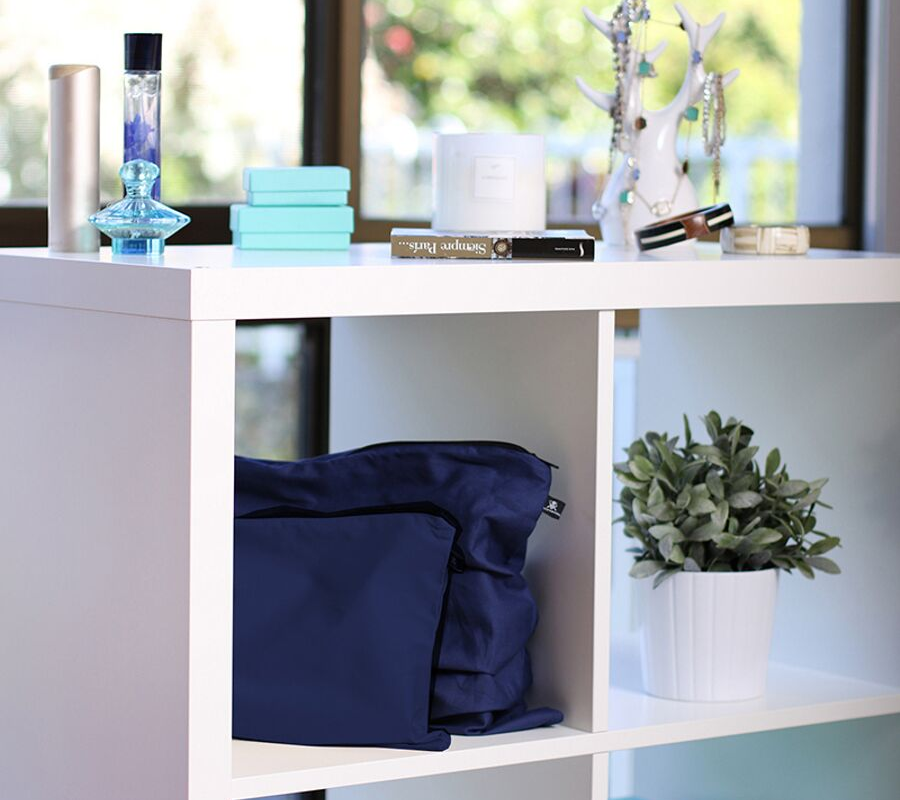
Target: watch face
{"type": "Point", "coordinates": [503, 248]}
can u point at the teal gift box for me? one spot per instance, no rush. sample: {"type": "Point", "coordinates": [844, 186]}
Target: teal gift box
{"type": "Point", "coordinates": [292, 241]}
{"type": "Point", "coordinates": [297, 198]}
{"type": "Point", "coordinates": [297, 179]}
{"type": "Point", "coordinates": [291, 219]}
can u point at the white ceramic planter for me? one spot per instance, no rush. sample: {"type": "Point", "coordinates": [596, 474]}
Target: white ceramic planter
{"type": "Point", "coordinates": [707, 635]}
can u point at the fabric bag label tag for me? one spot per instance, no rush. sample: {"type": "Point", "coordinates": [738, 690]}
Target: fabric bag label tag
{"type": "Point", "coordinates": [554, 507]}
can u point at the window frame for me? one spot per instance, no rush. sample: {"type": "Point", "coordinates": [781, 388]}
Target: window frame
{"type": "Point", "coordinates": [846, 236]}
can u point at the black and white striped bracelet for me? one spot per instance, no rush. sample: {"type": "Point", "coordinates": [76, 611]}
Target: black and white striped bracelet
{"type": "Point", "coordinates": [691, 225]}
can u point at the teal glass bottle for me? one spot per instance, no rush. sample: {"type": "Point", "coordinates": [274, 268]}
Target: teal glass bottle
{"type": "Point", "coordinates": [138, 224]}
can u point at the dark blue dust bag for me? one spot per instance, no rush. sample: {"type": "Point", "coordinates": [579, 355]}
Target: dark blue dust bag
{"type": "Point", "coordinates": [335, 619]}
{"type": "Point", "coordinates": [496, 492]}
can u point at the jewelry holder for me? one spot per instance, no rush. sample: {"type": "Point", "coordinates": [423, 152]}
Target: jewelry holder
{"type": "Point", "coordinates": [650, 183]}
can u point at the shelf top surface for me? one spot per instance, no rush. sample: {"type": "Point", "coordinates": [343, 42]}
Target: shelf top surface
{"type": "Point", "coordinates": [794, 697]}
{"type": "Point", "coordinates": [210, 282]}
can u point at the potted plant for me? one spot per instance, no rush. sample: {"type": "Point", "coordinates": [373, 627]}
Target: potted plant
{"type": "Point", "coordinates": [714, 529]}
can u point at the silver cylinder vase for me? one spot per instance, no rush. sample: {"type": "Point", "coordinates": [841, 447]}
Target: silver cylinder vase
{"type": "Point", "coordinates": [74, 158]}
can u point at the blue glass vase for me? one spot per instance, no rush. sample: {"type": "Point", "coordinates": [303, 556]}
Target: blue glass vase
{"type": "Point", "coordinates": [138, 224]}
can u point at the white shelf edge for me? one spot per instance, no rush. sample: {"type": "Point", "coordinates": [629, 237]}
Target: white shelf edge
{"type": "Point", "coordinates": [215, 282]}
{"type": "Point", "coordinates": [264, 769]}
{"type": "Point", "coordinates": [376, 764]}
{"type": "Point", "coordinates": [752, 722]}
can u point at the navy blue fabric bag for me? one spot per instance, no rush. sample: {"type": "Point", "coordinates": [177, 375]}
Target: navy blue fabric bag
{"type": "Point", "coordinates": [335, 620]}
{"type": "Point", "coordinates": [496, 492]}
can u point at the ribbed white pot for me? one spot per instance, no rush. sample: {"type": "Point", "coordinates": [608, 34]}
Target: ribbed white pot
{"type": "Point", "coordinates": [706, 635]}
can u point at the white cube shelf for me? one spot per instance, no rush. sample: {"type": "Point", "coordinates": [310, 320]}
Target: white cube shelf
{"type": "Point", "coordinates": [115, 585]}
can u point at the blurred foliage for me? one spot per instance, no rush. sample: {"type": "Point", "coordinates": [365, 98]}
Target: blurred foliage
{"type": "Point", "coordinates": [511, 64]}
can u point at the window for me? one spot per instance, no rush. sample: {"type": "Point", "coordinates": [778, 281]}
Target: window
{"type": "Point", "coordinates": [458, 65]}
{"type": "Point", "coordinates": [224, 106]}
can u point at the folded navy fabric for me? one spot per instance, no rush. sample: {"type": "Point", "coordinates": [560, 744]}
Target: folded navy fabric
{"type": "Point", "coordinates": [496, 492]}
{"type": "Point", "coordinates": [335, 623]}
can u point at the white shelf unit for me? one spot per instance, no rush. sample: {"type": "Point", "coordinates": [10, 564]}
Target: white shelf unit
{"type": "Point", "coordinates": [115, 592]}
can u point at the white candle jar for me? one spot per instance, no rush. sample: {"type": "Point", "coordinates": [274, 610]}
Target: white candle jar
{"type": "Point", "coordinates": [489, 182]}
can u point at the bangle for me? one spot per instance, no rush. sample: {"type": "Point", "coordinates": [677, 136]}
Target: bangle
{"type": "Point", "coordinates": [771, 240]}
{"type": "Point", "coordinates": [685, 226]}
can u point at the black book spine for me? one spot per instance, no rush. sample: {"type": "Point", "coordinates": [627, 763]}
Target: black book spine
{"type": "Point", "coordinates": [552, 247]}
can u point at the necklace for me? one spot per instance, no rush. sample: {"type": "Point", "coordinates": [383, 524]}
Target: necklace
{"type": "Point", "coordinates": [714, 125]}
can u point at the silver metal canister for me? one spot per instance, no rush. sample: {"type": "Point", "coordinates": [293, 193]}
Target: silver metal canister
{"type": "Point", "coordinates": [74, 170]}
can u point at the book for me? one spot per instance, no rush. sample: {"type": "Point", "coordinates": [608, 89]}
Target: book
{"type": "Point", "coordinates": [291, 219]}
{"type": "Point", "coordinates": [297, 179]}
{"type": "Point", "coordinates": [297, 198]}
{"type": "Point", "coordinates": [291, 241]}
{"type": "Point", "coordinates": [426, 243]}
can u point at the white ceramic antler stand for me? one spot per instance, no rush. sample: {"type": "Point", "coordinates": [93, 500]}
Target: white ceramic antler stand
{"type": "Point", "coordinates": [662, 190]}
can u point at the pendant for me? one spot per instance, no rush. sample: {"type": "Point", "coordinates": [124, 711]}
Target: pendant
{"type": "Point", "coordinates": [661, 208]}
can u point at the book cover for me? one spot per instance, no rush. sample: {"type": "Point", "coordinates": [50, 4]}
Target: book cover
{"type": "Point", "coordinates": [555, 245]}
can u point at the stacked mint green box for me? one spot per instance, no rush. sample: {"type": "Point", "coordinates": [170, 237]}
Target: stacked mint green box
{"type": "Point", "coordinates": [293, 208]}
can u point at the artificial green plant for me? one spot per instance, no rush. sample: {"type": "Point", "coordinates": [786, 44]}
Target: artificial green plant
{"type": "Point", "coordinates": [712, 508]}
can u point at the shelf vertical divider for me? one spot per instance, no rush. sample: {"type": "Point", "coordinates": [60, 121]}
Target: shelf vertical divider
{"type": "Point", "coordinates": [115, 584]}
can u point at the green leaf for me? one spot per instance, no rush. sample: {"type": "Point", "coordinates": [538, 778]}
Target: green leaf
{"type": "Point", "coordinates": [687, 431]}
{"type": "Point", "coordinates": [637, 448]}
{"type": "Point", "coordinates": [720, 568]}
{"type": "Point", "coordinates": [665, 575]}
{"type": "Point", "coordinates": [666, 546]}
{"type": "Point", "coordinates": [644, 569]}
{"type": "Point", "coordinates": [818, 483]}
{"type": "Point", "coordinates": [773, 460]}
{"type": "Point", "coordinates": [783, 563]}
{"type": "Point", "coordinates": [746, 482]}
{"type": "Point", "coordinates": [711, 453]}
{"type": "Point", "coordinates": [666, 455]}
{"type": "Point", "coordinates": [727, 541]}
{"type": "Point", "coordinates": [824, 565]}
{"type": "Point", "coordinates": [743, 458]}
{"type": "Point", "coordinates": [677, 555]}
{"type": "Point", "coordinates": [705, 532]}
{"type": "Point", "coordinates": [661, 531]}
{"type": "Point", "coordinates": [720, 515]}
{"type": "Point", "coordinates": [687, 524]}
{"type": "Point", "coordinates": [715, 485]}
{"type": "Point", "coordinates": [684, 499]}
{"type": "Point", "coordinates": [631, 483]}
{"type": "Point", "coordinates": [642, 468]}
{"type": "Point", "coordinates": [664, 512]}
{"type": "Point", "coordinates": [745, 499]}
{"type": "Point", "coordinates": [713, 423]}
{"type": "Point", "coordinates": [639, 511]}
{"type": "Point", "coordinates": [750, 525]}
{"type": "Point", "coordinates": [690, 565]}
{"type": "Point", "coordinates": [823, 546]}
{"type": "Point", "coordinates": [762, 536]}
{"type": "Point", "coordinates": [792, 488]}
{"type": "Point", "coordinates": [804, 569]}
{"type": "Point", "coordinates": [656, 495]}
{"type": "Point", "coordinates": [701, 505]}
